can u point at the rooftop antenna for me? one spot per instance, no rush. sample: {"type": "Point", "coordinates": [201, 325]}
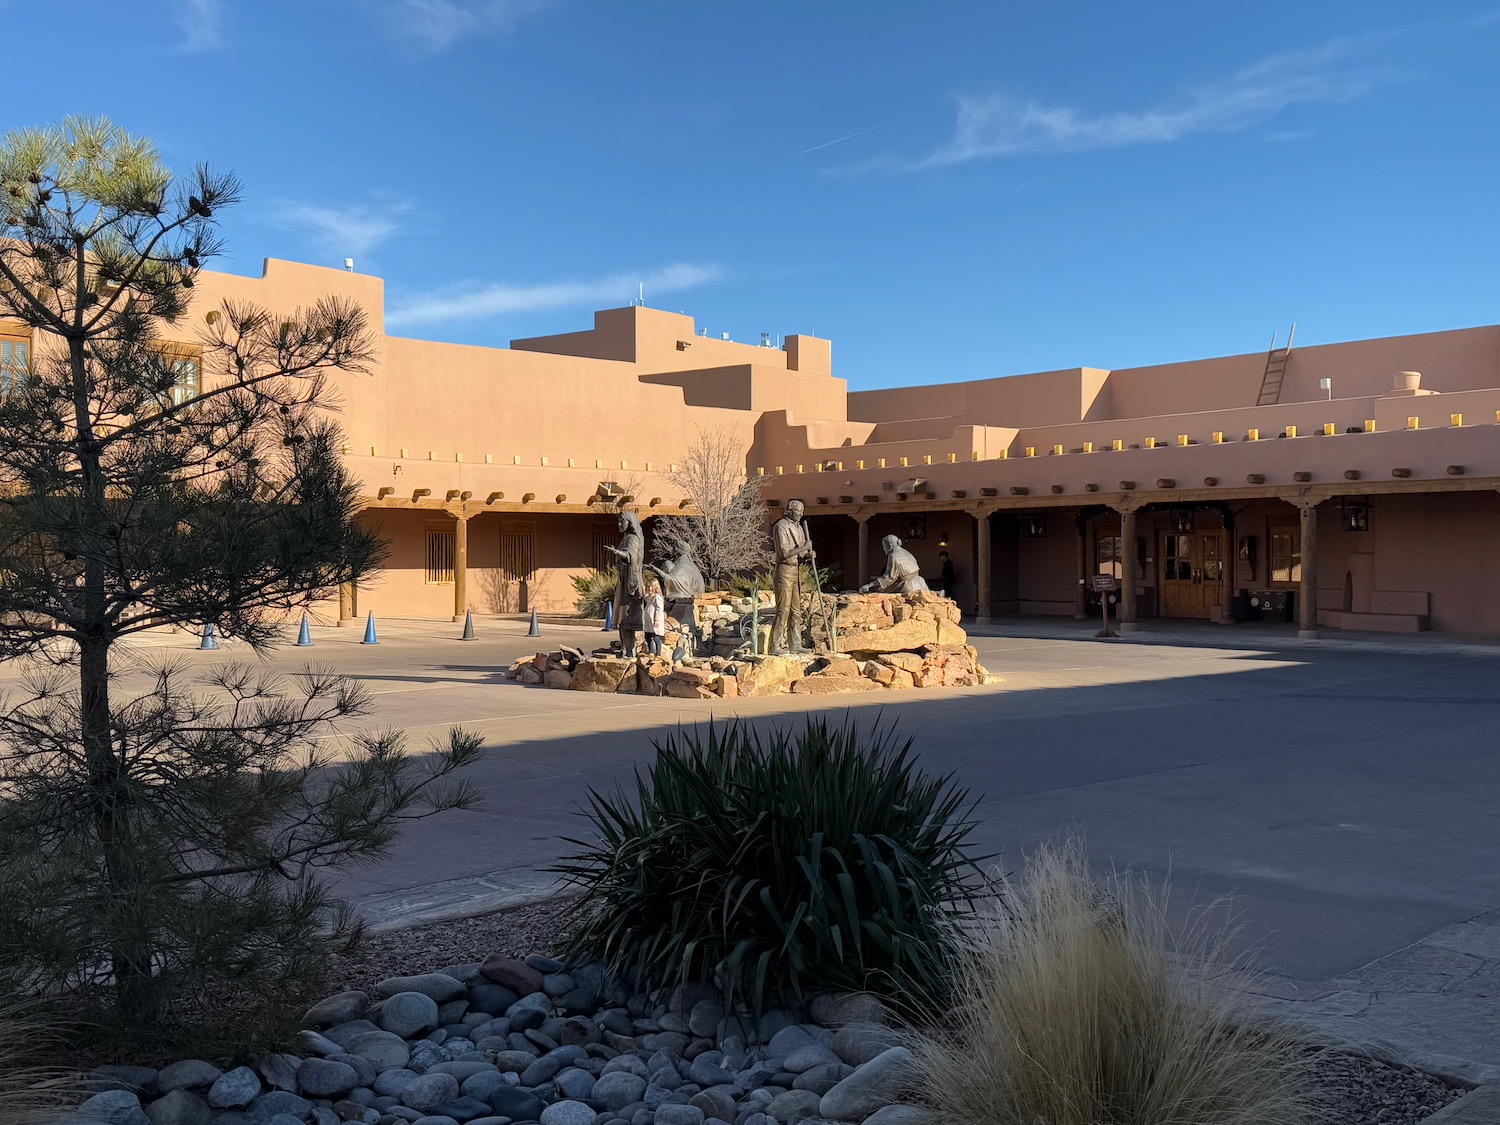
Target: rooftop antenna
{"type": "Point", "coordinates": [349, 264]}
{"type": "Point", "coordinates": [641, 299]}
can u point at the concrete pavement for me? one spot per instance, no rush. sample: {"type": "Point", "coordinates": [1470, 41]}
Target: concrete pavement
{"type": "Point", "coordinates": [1345, 793]}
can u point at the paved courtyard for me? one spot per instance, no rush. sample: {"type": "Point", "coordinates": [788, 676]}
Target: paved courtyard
{"type": "Point", "coordinates": [1348, 795]}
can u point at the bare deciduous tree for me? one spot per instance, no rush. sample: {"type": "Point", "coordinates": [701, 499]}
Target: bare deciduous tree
{"type": "Point", "coordinates": [728, 535]}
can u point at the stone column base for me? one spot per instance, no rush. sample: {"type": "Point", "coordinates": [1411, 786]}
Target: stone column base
{"type": "Point", "coordinates": [1129, 626]}
{"type": "Point", "coordinates": [1308, 635]}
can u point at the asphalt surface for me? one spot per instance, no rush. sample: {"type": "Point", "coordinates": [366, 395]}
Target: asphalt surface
{"type": "Point", "coordinates": [1345, 795]}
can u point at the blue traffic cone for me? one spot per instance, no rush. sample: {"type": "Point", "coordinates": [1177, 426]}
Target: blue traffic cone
{"type": "Point", "coordinates": [468, 634]}
{"type": "Point", "coordinates": [304, 634]}
{"type": "Point", "coordinates": [536, 626]}
{"type": "Point", "coordinates": [209, 640]}
{"type": "Point", "coordinates": [370, 638]}
{"type": "Point", "coordinates": [609, 617]}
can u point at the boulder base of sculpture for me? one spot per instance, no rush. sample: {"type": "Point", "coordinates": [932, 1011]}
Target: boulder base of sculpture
{"type": "Point", "coordinates": [889, 642]}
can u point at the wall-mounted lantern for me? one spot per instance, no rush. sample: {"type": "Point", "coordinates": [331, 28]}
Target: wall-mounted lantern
{"type": "Point", "coordinates": [1356, 513]}
{"type": "Point", "coordinates": [1184, 520]}
{"type": "Point", "coordinates": [1034, 527]}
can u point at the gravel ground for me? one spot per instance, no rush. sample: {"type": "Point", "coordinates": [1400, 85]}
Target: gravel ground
{"type": "Point", "coordinates": [538, 928]}
{"type": "Point", "coordinates": [1358, 1091]}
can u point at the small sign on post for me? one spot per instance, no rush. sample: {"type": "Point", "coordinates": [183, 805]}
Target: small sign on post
{"type": "Point", "coordinates": [1105, 585]}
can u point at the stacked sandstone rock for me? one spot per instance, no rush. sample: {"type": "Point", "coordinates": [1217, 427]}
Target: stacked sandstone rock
{"type": "Point", "coordinates": [885, 641]}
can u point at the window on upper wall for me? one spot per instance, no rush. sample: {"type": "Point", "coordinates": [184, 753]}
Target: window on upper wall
{"type": "Point", "coordinates": [1286, 555]}
{"type": "Point", "coordinates": [15, 362]}
{"type": "Point", "coordinates": [186, 364]}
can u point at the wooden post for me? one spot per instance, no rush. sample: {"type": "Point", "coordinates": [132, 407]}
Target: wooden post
{"type": "Point", "coordinates": [460, 565]}
{"type": "Point", "coordinates": [864, 550]}
{"type": "Point", "coordinates": [1229, 559]}
{"type": "Point", "coordinates": [346, 602]}
{"type": "Point", "coordinates": [1307, 593]}
{"type": "Point", "coordinates": [982, 570]}
{"type": "Point", "coordinates": [1081, 604]}
{"type": "Point", "coordinates": [1129, 559]}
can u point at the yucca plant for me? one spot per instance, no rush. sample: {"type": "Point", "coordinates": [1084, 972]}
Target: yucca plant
{"type": "Point", "coordinates": [776, 867]}
{"type": "Point", "coordinates": [596, 591]}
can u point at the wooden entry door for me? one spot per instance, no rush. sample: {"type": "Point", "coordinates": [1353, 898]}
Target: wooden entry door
{"type": "Point", "coordinates": [1192, 573]}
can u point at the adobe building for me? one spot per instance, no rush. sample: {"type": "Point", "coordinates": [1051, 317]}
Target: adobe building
{"type": "Point", "coordinates": [1346, 486]}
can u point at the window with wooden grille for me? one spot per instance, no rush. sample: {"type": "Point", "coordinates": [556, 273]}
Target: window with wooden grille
{"type": "Point", "coordinates": [604, 538]}
{"type": "Point", "coordinates": [440, 551]}
{"type": "Point", "coordinates": [15, 363]}
{"type": "Point", "coordinates": [517, 554]}
{"type": "Point", "coordinates": [1286, 555]}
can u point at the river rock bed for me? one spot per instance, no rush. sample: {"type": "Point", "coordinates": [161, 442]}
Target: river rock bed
{"type": "Point", "coordinates": [570, 1051]}
{"type": "Point", "coordinates": [511, 1040]}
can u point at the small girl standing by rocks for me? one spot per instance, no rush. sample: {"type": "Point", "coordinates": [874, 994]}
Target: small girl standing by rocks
{"type": "Point", "coordinates": [655, 616]}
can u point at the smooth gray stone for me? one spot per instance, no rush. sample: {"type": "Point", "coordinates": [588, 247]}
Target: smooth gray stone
{"type": "Point", "coordinates": [280, 1072]}
{"type": "Point", "coordinates": [706, 1073]}
{"type": "Point", "coordinates": [267, 1106]}
{"type": "Point", "coordinates": [787, 1040]}
{"type": "Point", "coordinates": [468, 972]}
{"type": "Point", "coordinates": [428, 1090]}
{"type": "Point", "coordinates": [793, 1106]}
{"type": "Point", "coordinates": [189, 1074]}
{"type": "Point", "coordinates": [671, 1114]}
{"type": "Point", "coordinates": [439, 987]}
{"type": "Point", "coordinates": [616, 1089]}
{"type": "Point", "coordinates": [568, 1113]}
{"type": "Point", "coordinates": [715, 1102]}
{"type": "Point", "coordinates": [322, 1115]}
{"type": "Point", "coordinates": [234, 1089]}
{"type": "Point", "coordinates": [318, 1044]}
{"type": "Point", "coordinates": [383, 1048]}
{"type": "Point", "coordinates": [409, 1014]}
{"type": "Point", "coordinates": [460, 1070]}
{"type": "Point", "coordinates": [482, 1085]}
{"type": "Point", "coordinates": [858, 1043]}
{"type": "Point", "coordinates": [876, 1084]}
{"type": "Point", "coordinates": [390, 1083]}
{"type": "Point", "coordinates": [117, 1107]}
{"type": "Point", "coordinates": [805, 1058]}
{"type": "Point", "coordinates": [461, 1109]}
{"type": "Point", "coordinates": [897, 1114]}
{"type": "Point", "coordinates": [323, 1078]}
{"type": "Point", "coordinates": [341, 1007]}
{"type": "Point", "coordinates": [705, 1017]}
{"type": "Point", "coordinates": [492, 999]}
{"type": "Point", "coordinates": [364, 1069]}
{"type": "Point", "coordinates": [627, 1064]}
{"type": "Point", "coordinates": [575, 1084]}
{"type": "Point", "coordinates": [341, 1033]}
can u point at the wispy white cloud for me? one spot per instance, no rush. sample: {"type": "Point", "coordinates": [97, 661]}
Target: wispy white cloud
{"type": "Point", "coordinates": [349, 231]}
{"type": "Point", "coordinates": [474, 301]}
{"type": "Point", "coordinates": [438, 24]}
{"type": "Point", "coordinates": [1004, 124]}
{"type": "Point", "coordinates": [201, 23]}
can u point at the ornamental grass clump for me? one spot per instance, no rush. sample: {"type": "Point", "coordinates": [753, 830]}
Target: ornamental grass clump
{"type": "Point", "coordinates": [1080, 1009]}
{"type": "Point", "coordinates": [777, 866]}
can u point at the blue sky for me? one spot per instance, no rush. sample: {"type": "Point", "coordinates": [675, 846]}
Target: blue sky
{"type": "Point", "coordinates": [950, 190]}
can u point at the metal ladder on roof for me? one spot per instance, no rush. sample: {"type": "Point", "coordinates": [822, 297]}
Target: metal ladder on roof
{"type": "Point", "coordinates": [1275, 374]}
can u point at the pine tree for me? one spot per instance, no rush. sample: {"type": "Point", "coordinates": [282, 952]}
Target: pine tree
{"type": "Point", "coordinates": [161, 850]}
